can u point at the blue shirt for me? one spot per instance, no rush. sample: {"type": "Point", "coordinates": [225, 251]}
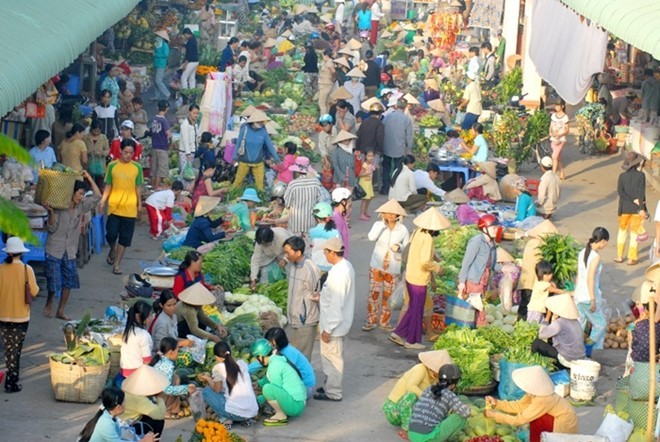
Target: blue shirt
{"type": "Point", "coordinates": [227, 58]}
{"type": "Point", "coordinates": [364, 20]}
{"type": "Point", "coordinates": [242, 211]}
{"type": "Point", "coordinates": [298, 359]}
{"type": "Point", "coordinates": [258, 145]}
{"type": "Point", "coordinates": [482, 151]}
{"type": "Point", "coordinates": [524, 207]}
{"type": "Point", "coordinates": [106, 429]}
{"type": "Point", "coordinates": [47, 156]}
{"type": "Point", "coordinates": [201, 231]}
{"type": "Point", "coordinates": [192, 55]}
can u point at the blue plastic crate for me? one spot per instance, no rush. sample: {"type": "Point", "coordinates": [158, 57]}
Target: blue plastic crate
{"type": "Point", "coordinates": [37, 251]}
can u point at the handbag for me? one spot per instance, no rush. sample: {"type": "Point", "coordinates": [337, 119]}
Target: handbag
{"type": "Point", "coordinates": [358, 193]}
{"type": "Point", "coordinates": [28, 294]}
{"type": "Point", "coordinates": [96, 166]}
{"type": "Point", "coordinates": [241, 148]}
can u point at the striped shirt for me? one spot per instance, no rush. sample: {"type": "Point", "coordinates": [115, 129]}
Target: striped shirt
{"type": "Point", "coordinates": [343, 165]}
{"type": "Point", "coordinates": [300, 197]}
{"type": "Point", "coordinates": [429, 411]}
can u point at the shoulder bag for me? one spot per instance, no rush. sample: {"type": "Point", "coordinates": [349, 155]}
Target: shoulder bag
{"type": "Point", "coordinates": [28, 293]}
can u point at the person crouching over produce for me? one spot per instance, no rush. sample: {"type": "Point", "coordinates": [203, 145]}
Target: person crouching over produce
{"type": "Point", "coordinates": [268, 259]}
{"type": "Point", "coordinates": [164, 363]}
{"type": "Point", "coordinates": [541, 407]}
{"type": "Point", "coordinates": [159, 208]}
{"type": "Point", "coordinates": [282, 386]}
{"type": "Point", "coordinates": [190, 272]}
{"type": "Point", "coordinates": [410, 386]}
{"type": "Point", "coordinates": [280, 342]}
{"type": "Point", "coordinates": [244, 208]}
{"type": "Point", "coordinates": [439, 413]}
{"type": "Point", "coordinates": [565, 331]}
{"type": "Point", "coordinates": [229, 392]}
{"type": "Point", "coordinates": [201, 229]}
{"type": "Point", "coordinates": [144, 405]}
{"type": "Point", "coordinates": [191, 316]}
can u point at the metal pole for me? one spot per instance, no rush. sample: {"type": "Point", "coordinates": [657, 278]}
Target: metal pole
{"type": "Point", "coordinates": [652, 338]}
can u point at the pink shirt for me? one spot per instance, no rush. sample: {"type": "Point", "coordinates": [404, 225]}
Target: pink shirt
{"type": "Point", "coordinates": [342, 228]}
{"type": "Point", "coordinates": [282, 169]}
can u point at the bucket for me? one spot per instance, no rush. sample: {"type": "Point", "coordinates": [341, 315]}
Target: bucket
{"type": "Point", "coordinates": [584, 374]}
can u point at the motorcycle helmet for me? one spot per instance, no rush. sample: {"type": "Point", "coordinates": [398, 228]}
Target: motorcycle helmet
{"type": "Point", "coordinates": [490, 220]}
{"type": "Point", "coordinates": [314, 35]}
{"type": "Point", "coordinates": [139, 287]}
{"type": "Point", "coordinates": [340, 194]}
{"type": "Point", "coordinates": [278, 190]}
{"type": "Point", "coordinates": [326, 119]}
{"type": "Point", "coordinates": [322, 210]}
{"type": "Point", "coordinates": [261, 347]}
{"type": "Point", "coordinates": [450, 373]}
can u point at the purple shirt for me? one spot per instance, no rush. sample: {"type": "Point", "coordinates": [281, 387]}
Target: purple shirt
{"type": "Point", "coordinates": [342, 228]}
{"type": "Point", "coordinates": [159, 128]}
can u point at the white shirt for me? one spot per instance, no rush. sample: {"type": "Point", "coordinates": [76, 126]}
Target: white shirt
{"type": "Point", "coordinates": [188, 141]}
{"type": "Point", "coordinates": [472, 93]}
{"type": "Point", "coordinates": [137, 348]}
{"type": "Point", "coordinates": [474, 66]}
{"type": "Point", "coordinates": [241, 401]}
{"type": "Point", "coordinates": [376, 13]}
{"type": "Point", "coordinates": [339, 13]}
{"type": "Point", "coordinates": [337, 302]}
{"type": "Point", "coordinates": [161, 199]}
{"type": "Point", "coordinates": [248, 56]}
{"type": "Point", "coordinates": [404, 185]}
{"type": "Point", "coordinates": [423, 181]}
{"type": "Point", "coordinates": [385, 239]}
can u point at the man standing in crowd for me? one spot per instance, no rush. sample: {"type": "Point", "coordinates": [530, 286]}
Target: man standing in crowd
{"type": "Point", "coordinates": [161, 135]}
{"type": "Point", "coordinates": [372, 75]}
{"type": "Point", "coordinates": [370, 136]}
{"type": "Point", "coordinates": [489, 63]}
{"type": "Point", "coordinates": [471, 102]}
{"type": "Point", "coordinates": [548, 191]}
{"type": "Point", "coordinates": [123, 195]}
{"type": "Point", "coordinates": [191, 61]}
{"type": "Point", "coordinates": [398, 140]}
{"type": "Point", "coordinates": [337, 303]}
{"type": "Point", "coordinates": [302, 307]}
{"type": "Point", "coordinates": [650, 96]}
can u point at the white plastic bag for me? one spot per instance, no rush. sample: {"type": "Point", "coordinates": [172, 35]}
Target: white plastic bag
{"type": "Point", "coordinates": [197, 405]}
{"type": "Point", "coordinates": [198, 349]}
{"type": "Point", "coordinates": [506, 292]}
{"type": "Point", "coordinates": [474, 299]}
{"type": "Point", "coordinates": [615, 428]}
{"type": "Point", "coordinates": [396, 298]}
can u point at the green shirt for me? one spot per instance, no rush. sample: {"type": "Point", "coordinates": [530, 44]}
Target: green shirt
{"type": "Point", "coordinates": [243, 212]}
{"type": "Point", "coordinates": [282, 374]}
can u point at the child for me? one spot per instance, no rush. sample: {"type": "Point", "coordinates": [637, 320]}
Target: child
{"type": "Point", "coordinates": [283, 173]}
{"type": "Point", "coordinates": [366, 175]}
{"type": "Point", "coordinates": [278, 214]}
{"type": "Point", "coordinates": [542, 288]}
{"type": "Point", "coordinates": [524, 202]}
{"type": "Point", "coordinates": [244, 208]}
{"type": "Point", "coordinates": [125, 100]}
{"type": "Point", "coordinates": [164, 362]}
{"type": "Point", "coordinates": [431, 418]}
{"type": "Point", "coordinates": [159, 208]}
{"type": "Point", "coordinates": [229, 392]}
{"type": "Point", "coordinates": [139, 118]}
{"type": "Point", "coordinates": [205, 151]}
{"type": "Point", "coordinates": [324, 230]}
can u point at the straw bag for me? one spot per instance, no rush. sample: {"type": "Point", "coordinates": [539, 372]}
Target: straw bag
{"type": "Point", "coordinates": [78, 383]}
{"type": "Point", "coordinates": [55, 188]}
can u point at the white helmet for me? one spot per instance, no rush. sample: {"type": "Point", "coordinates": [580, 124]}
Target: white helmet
{"type": "Point", "coordinates": [279, 189]}
{"type": "Point", "coordinates": [340, 194]}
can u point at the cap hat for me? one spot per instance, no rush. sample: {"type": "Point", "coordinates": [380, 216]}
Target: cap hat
{"type": "Point", "coordinates": [356, 72]}
{"type": "Point", "coordinates": [437, 105]}
{"type": "Point", "coordinates": [163, 34]}
{"type": "Point", "coordinates": [205, 204]}
{"type": "Point", "coordinates": [258, 117]}
{"type": "Point", "coordinates": [546, 162]}
{"type": "Point", "coordinates": [334, 244]}
{"type": "Point", "coordinates": [128, 123]}
{"type": "Point", "coordinates": [354, 44]}
{"type": "Point", "coordinates": [342, 94]}
{"type": "Point", "coordinates": [456, 196]}
{"type": "Point", "coordinates": [544, 228]}
{"type": "Point", "coordinates": [322, 210]}
{"type": "Point", "coordinates": [434, 360]}
{"type": "Point", "coordinates": [392, 206]}
{"type": "Point", "coordinates": [563, 306]}
{"type": "Point", "coordinates": [14, 246]}
{"type": "Point", "coordinates": [489, 168]}
{"type": "Point", "coordinates": [197, 294]}
{"type": "Point", "coordinates": [145, 381]}
{"type": "Point", "coordinates": [410, 99]}
{"type": "Point", "coordinates": [341, 61]}
{"type": "Point", "coordinates": [343, 136]}
{"type": "Point", "coordinates": [431, 219]}
{"type": "Point", "coordinates": [533, 380]}
{"type": "Point", "coordinates": [504, 256]}
{"type": "Point", "coordinates": [250, 194]}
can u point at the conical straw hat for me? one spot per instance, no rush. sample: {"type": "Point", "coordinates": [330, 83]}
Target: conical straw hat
{"type": "Point", "coordinates": [258, 117]}
{"type": "Point", "coordinates": [386, 34]}
{"type": "Point", "coordinates": [533, 380]}
{"type": "Point", "coordinates": [392, 206]}
{"type": "Point", "coordinates": [410, 99]}
{"type": "Point", "coordinates": [647, 292]}
{"type": "Point", "coordinates": [270, 128]}
{"type": "Point", "coordinates": [163, 34]}
{"type": "Point", "coordinates": [653, 272]}
{"type": "Point", "coordinates": [343, 136]}
{"type": "Point", "coordinates": [562, 306]}
{"type": "Point", "coordinates": [197, 294]}
{"type": "Point", "coordinates": [346, 51]}
{"type": "Point", "coordinates": [504, 256]}
{"type": "Point", "coordinates": [356, 72]}
{"type": "Point", "coordinates": [342, 94]}
{"type": "Point", "coordinates": [436, 52]}
{"type": "Point", "coordinates": [456, 196]}
{"type": "Point", "coordinates": [248, 111]}
{"type": "Point", "coordinates": [145, 381]}
{"type": "Point", "coordinates": [437, 105]}
{"type": "Point", "coordinates": [205, 204]}
{"type": "Point", "coordinates": [354, 44]}
{"type": "Point", "coordinates": [431, 219]}
{"type": "Point", "coordinates": [435, 359]}
{"type": "Point", "coordinates": [489, 168]}
{"type": "Point", "coordinates": [342, 61]}
{"type": "Point", "coordinates": [270, 43]}
{"type": "Point", "coordinates": [544, 228]}
{"type": "Point", "coordinates": [366, 104]}
{"type": "Point", "coordinates": [432, 84]}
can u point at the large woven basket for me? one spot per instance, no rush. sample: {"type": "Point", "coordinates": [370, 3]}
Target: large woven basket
{"type": "Point", "coordinates": [55, 188]}
{"type": "Point", "coordinates": [76, 383]}
{"type": "Point", "coordinates": [114, 345]}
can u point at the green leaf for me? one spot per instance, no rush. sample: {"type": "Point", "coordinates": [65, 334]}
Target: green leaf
{"type": "Point", "coordinates": [11, 148]}
{"type": "Point", "coordinates": [14, 222]}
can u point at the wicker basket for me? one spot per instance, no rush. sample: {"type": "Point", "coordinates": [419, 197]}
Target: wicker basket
{"type": "Point", "coordinates": [55, 188]}
{"type": "Point", "coordinates": [480, 391]}
{"type": "Point", "coordinates": [114, 345]}
{"type": "Point", "coordinates": [76, 383]}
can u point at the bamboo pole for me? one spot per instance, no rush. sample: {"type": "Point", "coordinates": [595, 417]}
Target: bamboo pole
{"type": "Point", "coordinates": [652, 338]}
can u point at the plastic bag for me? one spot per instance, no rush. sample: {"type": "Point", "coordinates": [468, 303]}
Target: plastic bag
{"type": "Point", "coordinates": [275, 272]}
{"type": "Point", "coordinates": [197, 405]}
{"type": "Point", "coordinates": [396, 298]}
{"type": "Point", "coordinates": [198, 349]}
{"type": "Point", "coordinates": [615, 428]}
{"type": "Point", "coordinates": [474, 299]}
{"type": "Point", "coordinates": [508, 390]}
{"type": "Point", "coordinates": [188, 173]}
{"type": "Point", "coordinates": [460, 116]}
{"type": "Point", "coordinates": [174, 241]}
{"type": "Point", "coordinates": [560, 377]}
{"type": "Point", "coordinates": [506, 292]}
{"type": "Point", "coordinates": [96, 166]}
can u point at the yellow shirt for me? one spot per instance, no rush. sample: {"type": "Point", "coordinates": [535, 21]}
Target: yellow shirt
{"type": "Point", "coordinates": [540, 293]}
{"type": "Point", "coordinates": [530, 408]}
{"type": "Point", "coordinates": [125, 178]}
{"type": "Point", "coordinates": [415, 380]}
{"type": "Point", "coordinates": [12, 291]}
{"type": "Point", "coordinates": [420, 253]}
{"type": "Point", "coordinates": [137, 406]}
{"type": "Point", "coordinates": [530, 258]}
{"type": "Point", "coordinates": [71, 154]}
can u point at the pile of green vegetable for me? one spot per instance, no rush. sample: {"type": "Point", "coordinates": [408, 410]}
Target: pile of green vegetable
{"type": "Point", "coordinates": [242, 331]}
{"type": "Point", "coordinates": [562, 252]}
{"type": "Point", "coordinates": [480, 428]}
{"type": "Point", "coordinates": [450, 246]}
{"type": "Point", "coordinates": [228, 264]}
{"type": "Point", "coordinates": [180, 253]}
{"type": "Point", "coordinates": [276, 292]}
{"type": "Point", "coordinates": [87, 354]}
{"type": "Point", "coordinates": [251, 304]}
{"type": "Point", "coordinates": [470, 352]}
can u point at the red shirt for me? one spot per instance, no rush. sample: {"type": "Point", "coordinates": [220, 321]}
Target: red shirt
{"type": "Point", "coordinates": [184, 280]}
{"type": "Point", "coordinates": [115, 149]}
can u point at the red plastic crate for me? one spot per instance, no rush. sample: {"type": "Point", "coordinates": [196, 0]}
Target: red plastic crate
{"type": "Point", "coordinates": [533, 187]}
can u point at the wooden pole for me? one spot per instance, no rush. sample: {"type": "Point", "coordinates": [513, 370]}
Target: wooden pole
{"type": "Point", "coordinates": [650, 428]}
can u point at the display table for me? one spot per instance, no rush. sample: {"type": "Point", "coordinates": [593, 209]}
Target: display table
{"type": "Point", "coordinates": [456, 166]}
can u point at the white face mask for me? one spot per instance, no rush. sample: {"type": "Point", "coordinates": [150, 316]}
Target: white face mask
{"type": "Point", "coordinates": [257, 125]}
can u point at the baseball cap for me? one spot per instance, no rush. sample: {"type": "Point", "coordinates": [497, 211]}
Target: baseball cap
{"type": "Point", "coordinates": [128, 123]}
{"type": "Point", "coordinates": [333, 244]}
{"type": "Point", "coordinates": [546, 162]}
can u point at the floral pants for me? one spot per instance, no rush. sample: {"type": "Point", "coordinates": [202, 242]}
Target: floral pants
{"type": "Point", "coordinates": [310, 85]}
{"type": "Point", "coordinates": [13, 335]}
{"type": "Point", "coordinates": [380, 282]}
{"type": "Point", "coordinates": [399, 413]}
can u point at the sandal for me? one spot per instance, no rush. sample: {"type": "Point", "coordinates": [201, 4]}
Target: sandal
{"type": "Point", "coordinates": [387, 328]}
{"type": "Point", "coordinates": [324, 397]}
{"type": "Point", "coordinates": [110, 260]}
{"type": "Point", "coordinates": [15, 388]}
{"type": "Point", "coordinates": [632, 262]}
{"type": "Point", "coordinates": [116, 271]}
{"type": "Point", "coordinates": [172, 417]}
{"type": "Point", "coordinates": [368, 327]}
{"type": "Point", "coordinates": [275, 422]}
{"type": "Point", "coordinates": [618, 260]}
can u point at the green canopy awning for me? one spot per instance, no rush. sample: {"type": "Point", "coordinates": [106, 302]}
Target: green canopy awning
{"type": "Point", "coordinates": [40, 38]}
{"type": "Point", "coordinates": [637, 22]}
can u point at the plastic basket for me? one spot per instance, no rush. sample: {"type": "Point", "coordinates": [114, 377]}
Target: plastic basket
{"type": "Point", "coordinates": [639, 381]}
{"type": "Point", "coordinates": [77, 383]}
{"type": "Point", "coordinates": [638, 411]}
{"type": "Point", "coordinates": [55, 188]}
{"type": "Point", "coordinates": [622, 395]}
{"type": "Point", "coordinates": [459, 312]}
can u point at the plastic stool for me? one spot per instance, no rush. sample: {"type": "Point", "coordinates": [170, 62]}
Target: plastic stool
{"type": "Point", "coordinates": [533, 187]}
{"type": "Point", "coordinates": [98, 233]}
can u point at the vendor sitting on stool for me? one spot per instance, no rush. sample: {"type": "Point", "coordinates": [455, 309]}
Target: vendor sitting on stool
{"type": "Point", "coordinates": [485, 187]}
{"type": "Point", "coordinates": [565, 330]}
{"type": "Point", "coordinates": [541, 407]}
{"type": "Point", "coordinates": [201, 229]}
